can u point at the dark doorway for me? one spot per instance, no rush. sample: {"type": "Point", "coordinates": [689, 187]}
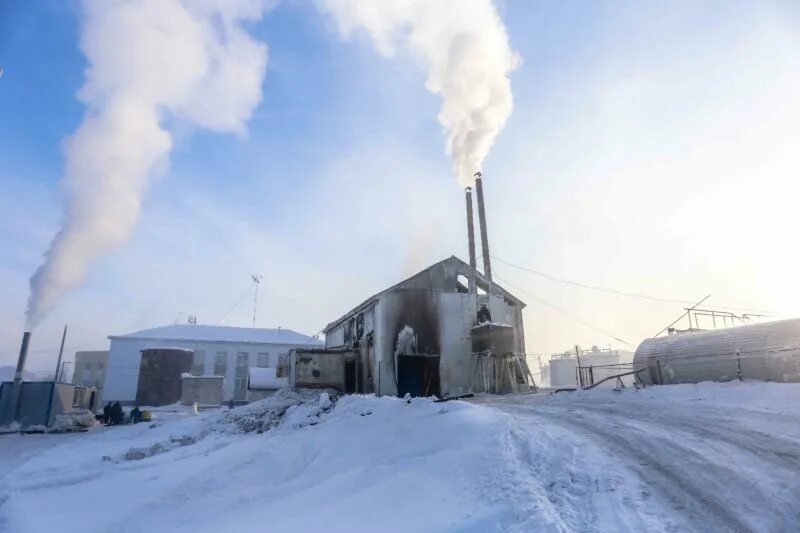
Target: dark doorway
{"type": "Point", "coordinates": [350, 368]}
{"type": "Point", "coordinates": [418, 375]}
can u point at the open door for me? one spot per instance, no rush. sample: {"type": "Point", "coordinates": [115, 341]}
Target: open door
{"type": "Point", "coordinates": [418, 375]}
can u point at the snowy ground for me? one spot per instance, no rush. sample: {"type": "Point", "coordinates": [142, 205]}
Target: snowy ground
{"type": "Point", "coordinates": [706, 457]}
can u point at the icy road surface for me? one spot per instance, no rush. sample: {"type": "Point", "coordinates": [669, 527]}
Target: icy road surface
{"type": "Point", "coordinates": [709, 457]}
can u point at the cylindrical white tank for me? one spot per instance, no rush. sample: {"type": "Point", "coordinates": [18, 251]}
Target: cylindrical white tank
{"type": "Point", "coordinates": [603, 365]}
{"type": "Point", "coordinates": [563, 372]}
{"type": "Point", "coordinates": [768, 351]}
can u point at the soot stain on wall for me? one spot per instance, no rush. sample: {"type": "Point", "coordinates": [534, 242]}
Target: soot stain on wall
{"type": "Point", "coordinates": [417, 308]}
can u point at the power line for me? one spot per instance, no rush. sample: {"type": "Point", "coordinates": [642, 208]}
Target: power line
{"type": "Point", "coordinates": [618, 292]}
{"type": "Point", "coordinates": [234, 306]}
{"type": "Point", "coordinates": [566, 313]}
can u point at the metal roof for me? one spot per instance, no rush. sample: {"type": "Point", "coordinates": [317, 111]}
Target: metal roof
{"type": "Point", "coordinates": [201, 333]}
{"type": "Point", "coordinates": [480, 279]}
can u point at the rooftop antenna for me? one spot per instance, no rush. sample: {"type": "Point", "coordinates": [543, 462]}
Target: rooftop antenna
{"type": "Point", "coordinates": [256, 282]}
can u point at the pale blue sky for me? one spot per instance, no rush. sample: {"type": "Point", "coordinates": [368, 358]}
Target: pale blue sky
{"type": "Point", "coordinates": [652, 149]}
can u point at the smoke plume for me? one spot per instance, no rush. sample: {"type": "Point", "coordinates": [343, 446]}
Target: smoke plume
{"type": "Point", "coordinates": [151, 63]}
{"type": "Point", "coordinates": [464, 47]}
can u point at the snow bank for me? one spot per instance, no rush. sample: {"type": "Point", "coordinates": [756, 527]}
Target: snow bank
{"type": "Point", "coordinates": [319, 463]}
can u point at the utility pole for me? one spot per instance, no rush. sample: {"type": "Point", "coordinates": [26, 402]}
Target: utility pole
{"type": "Point", "coordinates": [580, 372]}
{"type": "Point", "coordinates": [256, 281]}
{"type": "Point", "coordinates": [60, 353]}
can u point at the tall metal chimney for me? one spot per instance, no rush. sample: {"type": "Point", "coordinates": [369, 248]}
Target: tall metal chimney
{"type": "Point", "coordinates": [23, 355]}
{"type": "Point", "coordinates": [471, 241]}
{"type": "Point", "coordinates": [487, 265]}
{"type": "Point", "coordinates": [12, 407]}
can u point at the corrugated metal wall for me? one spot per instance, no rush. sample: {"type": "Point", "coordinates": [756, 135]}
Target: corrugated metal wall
{"type": "Point", "coordinates": [768, 351]}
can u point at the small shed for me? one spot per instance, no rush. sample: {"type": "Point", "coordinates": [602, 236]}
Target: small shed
{"type": "Point", "coordinates": [263, 382]}
{"type": "Point", "coordinates": [205, 391]}
{"type": "Point", "coordinates": [324, 369]}
{"type": "Point", "coordinates": [39, 401]}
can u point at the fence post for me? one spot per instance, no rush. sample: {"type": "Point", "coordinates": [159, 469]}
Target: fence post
{"type": "Point", "coordinates": [591, 374]}
{"type": "Point", "coordinates": [738, 366]}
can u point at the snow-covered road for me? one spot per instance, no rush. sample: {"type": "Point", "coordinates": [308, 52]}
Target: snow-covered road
{"type": "Point", "coordinates": [712, 458]}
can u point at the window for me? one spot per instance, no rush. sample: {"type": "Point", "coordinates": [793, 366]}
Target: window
{"type": "Point", "coordinates": [242, 362]}
{"type": "Point", "coordinates": [283, 365]}
{"type": "Point", "coordinates": [263, 360]}
{"type": "Point", "coordinates": [220, 363]}
{"type": "Point", "coordinates": [199, 366]}
{"type": "Point", "coordinates": [240, 388]}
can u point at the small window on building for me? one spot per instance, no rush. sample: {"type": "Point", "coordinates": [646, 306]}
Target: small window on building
{"type": "Point", "coordinates": [220, 363]}
{"type": "Point", "coordinates": [199, 366]}
{"type": "Point", "coordinates": [462, 284]}
{"type": "Point", "coordinates": [282, 370]}
{"type": "Point", "coordinates": [263, 360]}
{"type": "Point", "coordinates": [242, 362]}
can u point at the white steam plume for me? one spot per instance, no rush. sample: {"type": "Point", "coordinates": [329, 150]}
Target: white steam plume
{"type": "Point", "coordinates": [150, 62]}
{"type": "Point", "coordinates": [464, 47]}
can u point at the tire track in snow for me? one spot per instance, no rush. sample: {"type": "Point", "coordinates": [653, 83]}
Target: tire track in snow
{"type": "Point", "coordinates": [555, 487]}
{"type": "Point", "coordinates": [693, 485]}
{"type": "Point", "coordinates": [778, 451]}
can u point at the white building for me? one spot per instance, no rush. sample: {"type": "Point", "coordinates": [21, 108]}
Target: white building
{"type": "Point", "coordinates": [218, 351]}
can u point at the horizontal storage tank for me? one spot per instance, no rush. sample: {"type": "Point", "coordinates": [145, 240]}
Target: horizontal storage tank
{"type": "Point", "coordinates": [768, 352]}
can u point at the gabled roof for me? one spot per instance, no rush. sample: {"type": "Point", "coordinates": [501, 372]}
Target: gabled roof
{"type": "Point", "coordinates": [200, 333]}
{"type": "Point", "coordinates": [480, 280]}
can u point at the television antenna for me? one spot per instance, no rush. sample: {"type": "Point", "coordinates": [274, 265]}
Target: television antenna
{"type": "Point", "coordinates": [256, 282]}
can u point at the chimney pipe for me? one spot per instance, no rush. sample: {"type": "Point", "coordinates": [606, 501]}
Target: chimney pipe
{"type": "Point", "coordinates": [487, 265]}
{"type": "Point", "coordinates": [23, 355]}
{"type": "Point", "coordinates": [471, 241]}
{"type": "Point", "coordinates": [8, 416]}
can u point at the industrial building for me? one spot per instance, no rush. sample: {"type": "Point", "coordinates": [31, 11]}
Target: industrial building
{"type": "Point", "coordinates": [417, 336]}
{"type": "Point", "coordinates": [224, 351]}
{"type": "Point", "coordinates": [769, 351]}
{"type": "Point", "coordinates": [447, 331]}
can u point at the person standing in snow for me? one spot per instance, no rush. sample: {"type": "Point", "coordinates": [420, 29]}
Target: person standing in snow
{"type": "Point", "coordinates": [117, 414]}
{"type": "Point", "coordinates": [107, 414]}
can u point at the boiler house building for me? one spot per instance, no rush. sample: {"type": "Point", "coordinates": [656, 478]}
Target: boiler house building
{"type": "Point", "coordinates": [423, 335]}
